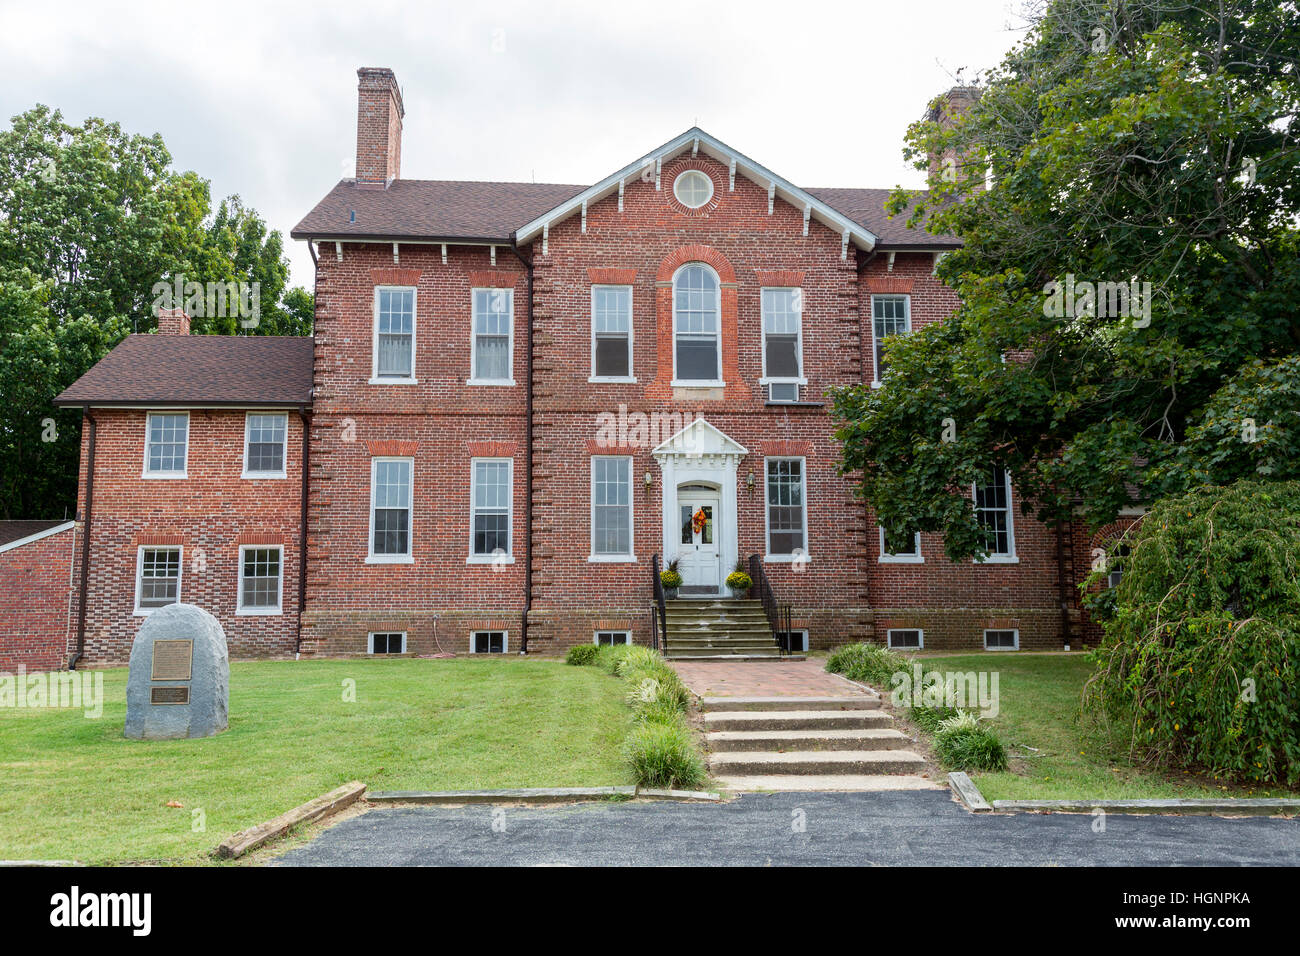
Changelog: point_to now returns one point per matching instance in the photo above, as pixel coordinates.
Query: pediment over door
(699, 439)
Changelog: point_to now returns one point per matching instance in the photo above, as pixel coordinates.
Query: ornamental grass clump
(1200, 662)
(865, 663)
(964, 743)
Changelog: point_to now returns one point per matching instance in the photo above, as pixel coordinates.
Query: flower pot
(670, 593)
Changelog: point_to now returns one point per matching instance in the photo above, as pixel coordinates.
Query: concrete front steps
(808, 743)
(724, 629)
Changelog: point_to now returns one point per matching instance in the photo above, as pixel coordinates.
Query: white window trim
(593, 557)
(375, 377)
(696, 383)
(284, 449)
(1010, 557)
(1014, 630)
(505, 639)
(139, 574)
(797, 557)
(409, 557)
(473, 343)
(240, 610)
(694, 173)
(631, 334)
(595, 635)
(766, 379)
(164, 475)
(887, 557)
(370, 642)
(509, 556)
(875, 345)
(920, 637)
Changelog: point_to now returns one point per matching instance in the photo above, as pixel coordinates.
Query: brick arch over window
(729, 304)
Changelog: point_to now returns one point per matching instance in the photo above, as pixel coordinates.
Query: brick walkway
(763, 679)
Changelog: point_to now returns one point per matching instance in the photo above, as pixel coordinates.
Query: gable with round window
(693, 188)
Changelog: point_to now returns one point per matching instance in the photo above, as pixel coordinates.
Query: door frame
(702, 495)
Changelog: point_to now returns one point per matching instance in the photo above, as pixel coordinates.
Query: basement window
(1002, 640)
(610, 638)
(906, 638)
(386, 642)
(488, 642)
(796, 641)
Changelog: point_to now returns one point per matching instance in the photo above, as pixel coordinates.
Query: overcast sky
(260, 98)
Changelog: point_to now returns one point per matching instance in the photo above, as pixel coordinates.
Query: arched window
(697, 347)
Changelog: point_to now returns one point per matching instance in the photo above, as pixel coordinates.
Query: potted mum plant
(671, 578)
(739, 580)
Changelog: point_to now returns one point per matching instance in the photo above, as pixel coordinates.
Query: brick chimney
(946, 110)
(173, 322)
(379, 127)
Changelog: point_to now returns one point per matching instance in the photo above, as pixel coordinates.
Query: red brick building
(519, 397)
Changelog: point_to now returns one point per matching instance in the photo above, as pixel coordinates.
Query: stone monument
(179, 681)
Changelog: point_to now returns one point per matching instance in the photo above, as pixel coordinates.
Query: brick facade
(35, 615)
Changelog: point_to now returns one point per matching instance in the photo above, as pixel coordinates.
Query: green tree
(1149, 142)
(91, 218)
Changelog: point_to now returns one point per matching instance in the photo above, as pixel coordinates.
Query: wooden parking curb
(321, 807)
(1246, 806)
(965, 788)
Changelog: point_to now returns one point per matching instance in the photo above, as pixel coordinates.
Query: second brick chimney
(379, 127)
(947, 110)
(173, 322)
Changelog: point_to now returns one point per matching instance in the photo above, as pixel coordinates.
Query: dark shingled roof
(199, 369)
(443, 209)
(13, 530)
(431, 209)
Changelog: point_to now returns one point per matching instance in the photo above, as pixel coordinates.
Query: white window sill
(493, 382)
(490, 559)
(695, 383)
(1002, 650)
(164, 475)
(389, 559)
(612, 559)
(394, 380)
(999, 559)
(612, 379)
(902, 559)
(263, 475)
(783, 381)
(787, 559)
(258, 612)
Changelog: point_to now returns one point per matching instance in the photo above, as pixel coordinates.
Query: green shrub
(660, 709)
(582, 654)
(866, 663)
(635, 658)
(1200, 662)
(663, 755)
(929, 718)
(608, 656)
(970, 748)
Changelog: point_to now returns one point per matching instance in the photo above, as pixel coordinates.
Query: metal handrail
(659, 628)
(778, 614)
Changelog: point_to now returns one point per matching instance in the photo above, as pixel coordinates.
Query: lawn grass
(1039, 708)
(73, 788)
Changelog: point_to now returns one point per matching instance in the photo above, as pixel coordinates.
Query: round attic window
(693, 189)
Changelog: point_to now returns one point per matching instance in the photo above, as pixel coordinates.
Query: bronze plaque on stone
(169, 695)
(172, 661)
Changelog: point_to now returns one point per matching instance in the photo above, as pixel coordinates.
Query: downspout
(528, 454)
(305, 413)
(85, 542)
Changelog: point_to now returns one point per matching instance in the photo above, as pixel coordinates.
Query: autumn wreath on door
(699, 520)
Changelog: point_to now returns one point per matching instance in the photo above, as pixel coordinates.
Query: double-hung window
(390, 510)
(993, 511)
(890, 315)
(394, 346)
(611, 508)
(611, 333)
(491, 506)
(697, 342)
(261, 579)
(782, 348)
(786, 509)
(493, 336)
(264, 441)
(167, 438)
(157, 578)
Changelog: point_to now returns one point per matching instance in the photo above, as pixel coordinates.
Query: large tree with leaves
(1147, 141)
(91, 218)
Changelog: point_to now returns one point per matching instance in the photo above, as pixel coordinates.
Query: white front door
(698, 533)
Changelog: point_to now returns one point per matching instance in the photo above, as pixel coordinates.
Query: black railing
(659, 611)
(778, 614)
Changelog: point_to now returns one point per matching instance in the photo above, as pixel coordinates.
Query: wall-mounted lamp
(649, 480)
(749, 481)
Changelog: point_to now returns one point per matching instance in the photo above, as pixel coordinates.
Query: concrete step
(856, 702)
(811, 783)
(732, 658)
(796, 720)
(826, 762)
(788, 741)
(720, 641)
